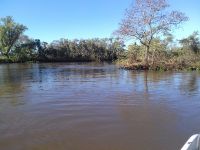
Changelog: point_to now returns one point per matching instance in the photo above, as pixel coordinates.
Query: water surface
(88, 106)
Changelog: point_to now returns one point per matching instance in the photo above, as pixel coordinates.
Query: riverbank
(164, 66)
(122, 64)
(4, 60)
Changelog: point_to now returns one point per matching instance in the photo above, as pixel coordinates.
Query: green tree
(191, 43)
(25, 49)
(10, 32)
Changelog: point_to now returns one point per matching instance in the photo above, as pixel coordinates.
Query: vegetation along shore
(147, 24)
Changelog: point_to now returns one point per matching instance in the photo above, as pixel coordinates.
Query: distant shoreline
(121, 65)
(52, 61)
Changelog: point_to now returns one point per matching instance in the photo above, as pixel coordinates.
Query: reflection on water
(81, 106)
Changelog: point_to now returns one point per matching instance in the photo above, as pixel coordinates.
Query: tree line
(17, 47)
(148, 23)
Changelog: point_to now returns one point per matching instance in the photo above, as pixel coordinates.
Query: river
(90, 106)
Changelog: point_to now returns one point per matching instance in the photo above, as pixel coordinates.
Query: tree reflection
(146, 88)
(148, 81)
(189, 83)
(11, 85)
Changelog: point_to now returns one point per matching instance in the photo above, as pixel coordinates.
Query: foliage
(160, 52)
(84, 50)
(191, 43)
(147, 20)
(10, 32)
(162, 56)
(16, 47)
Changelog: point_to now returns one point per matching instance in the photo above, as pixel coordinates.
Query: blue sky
(50, 20)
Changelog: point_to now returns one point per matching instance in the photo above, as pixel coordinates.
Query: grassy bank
(178, 60)
(159, 67)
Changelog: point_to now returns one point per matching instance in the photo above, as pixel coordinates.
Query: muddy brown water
(88, 106)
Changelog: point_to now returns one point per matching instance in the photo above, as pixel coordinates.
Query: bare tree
(147, 19)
